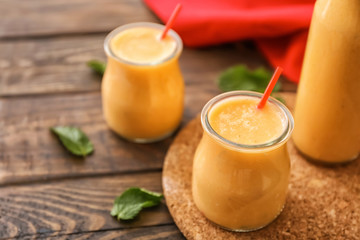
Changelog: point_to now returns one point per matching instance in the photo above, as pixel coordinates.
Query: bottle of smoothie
(327, 112)
(241, 166)
(142, 88)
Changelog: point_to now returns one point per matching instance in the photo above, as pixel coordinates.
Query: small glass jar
(241, 187)
(143, 102)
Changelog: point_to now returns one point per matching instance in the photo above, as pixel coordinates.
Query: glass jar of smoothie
(241, 166)
(327, 110)
(142, 88)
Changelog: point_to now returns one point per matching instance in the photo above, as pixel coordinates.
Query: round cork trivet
(322, 203)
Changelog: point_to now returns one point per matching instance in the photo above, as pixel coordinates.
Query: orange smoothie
(327, 112)
(241, 166)
(142, 88)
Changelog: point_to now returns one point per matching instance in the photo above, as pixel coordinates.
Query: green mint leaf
(241, 77)
(97, 66)
(131, 201)
(74, 140)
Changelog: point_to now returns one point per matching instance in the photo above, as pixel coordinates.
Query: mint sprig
(240, 77)
(132, 201)
(74, 140)
(97, 66)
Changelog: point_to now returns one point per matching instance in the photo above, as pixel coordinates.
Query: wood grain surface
(44, 66)
(322, 202)
(30, 152)
(74, 205)
(168, 232)
(159, 232)
(20, 18)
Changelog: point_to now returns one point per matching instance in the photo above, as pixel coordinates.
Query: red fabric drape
(279, 27)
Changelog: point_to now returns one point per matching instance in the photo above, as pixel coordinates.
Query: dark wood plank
(59, 65)
(30, 152)
(42, 17)
(170, 232)
(49, 65)
(74, 206)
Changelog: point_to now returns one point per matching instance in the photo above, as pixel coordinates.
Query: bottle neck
(338, 15)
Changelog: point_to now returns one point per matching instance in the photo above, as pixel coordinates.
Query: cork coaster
(322, 202)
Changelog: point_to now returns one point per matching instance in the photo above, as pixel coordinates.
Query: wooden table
(45, 192)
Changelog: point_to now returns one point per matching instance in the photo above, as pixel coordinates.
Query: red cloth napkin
(279, 27)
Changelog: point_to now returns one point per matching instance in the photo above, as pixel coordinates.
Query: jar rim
(116, 31)
(282, 138)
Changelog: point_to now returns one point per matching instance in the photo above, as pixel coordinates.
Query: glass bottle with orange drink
(327, 110)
